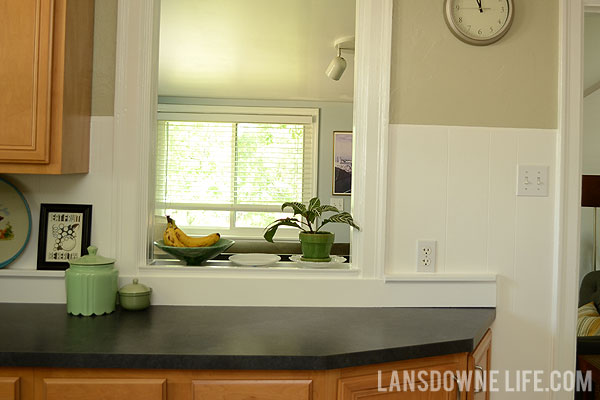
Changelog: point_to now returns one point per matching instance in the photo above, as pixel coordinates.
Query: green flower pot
(316, 247)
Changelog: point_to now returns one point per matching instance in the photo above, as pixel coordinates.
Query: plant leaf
(314, 203)
(311, 215)
(298, 207)
(272, 228)
(342, 218)
(325, 208)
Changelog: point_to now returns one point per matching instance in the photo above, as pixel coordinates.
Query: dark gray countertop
(234, 337)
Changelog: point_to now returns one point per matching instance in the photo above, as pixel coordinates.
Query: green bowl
(196, 255)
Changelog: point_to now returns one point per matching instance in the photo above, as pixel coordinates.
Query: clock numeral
(460, 19)
(480, 31)
(491, 29)
(499, 22)
(501, 9)
(457, 7)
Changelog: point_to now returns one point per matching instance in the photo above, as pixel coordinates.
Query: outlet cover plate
(426, 255)
(532, 180)
(337, 202)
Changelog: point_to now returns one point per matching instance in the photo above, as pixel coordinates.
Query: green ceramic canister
(92, 284)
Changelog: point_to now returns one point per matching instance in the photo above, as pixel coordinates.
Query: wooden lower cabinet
(433, 378)
(252, 389)
(9, 388)
(389, 381)
(102, 389)
(16, 383)
(479, 362)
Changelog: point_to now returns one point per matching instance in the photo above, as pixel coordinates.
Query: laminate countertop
(271, 338)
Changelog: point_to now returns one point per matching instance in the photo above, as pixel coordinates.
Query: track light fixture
(338, 65)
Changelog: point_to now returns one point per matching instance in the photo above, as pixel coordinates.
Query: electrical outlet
(426, 255)
(337, 202)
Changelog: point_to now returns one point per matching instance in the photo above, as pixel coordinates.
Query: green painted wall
(439, 80)
(105, 45)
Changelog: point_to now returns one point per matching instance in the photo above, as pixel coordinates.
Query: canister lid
(92, 258)
(135, 289)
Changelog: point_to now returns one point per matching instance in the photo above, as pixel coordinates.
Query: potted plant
(316, 244)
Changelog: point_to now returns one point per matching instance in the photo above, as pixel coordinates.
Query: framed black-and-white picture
(65, 231)
(342, 163)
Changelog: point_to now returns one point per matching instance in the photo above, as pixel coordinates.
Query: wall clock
(479, 22)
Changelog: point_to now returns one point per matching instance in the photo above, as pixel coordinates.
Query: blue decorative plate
(15, 223)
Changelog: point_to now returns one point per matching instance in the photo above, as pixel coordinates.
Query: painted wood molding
(568, 189)
(591, 89)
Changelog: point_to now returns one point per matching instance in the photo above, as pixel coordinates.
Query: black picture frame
(70, 228)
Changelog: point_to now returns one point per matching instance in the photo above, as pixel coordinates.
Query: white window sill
(224, 265)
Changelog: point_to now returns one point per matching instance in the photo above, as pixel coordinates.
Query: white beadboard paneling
(417, 193)
(92, 188)
(468, 192)
(489, 229)
(502, 212)
(535, 233)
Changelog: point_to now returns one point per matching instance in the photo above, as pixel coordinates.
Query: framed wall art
(342, 163)
(65, 234)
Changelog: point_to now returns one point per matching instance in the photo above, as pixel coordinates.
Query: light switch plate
(533, 180)
(337, 202)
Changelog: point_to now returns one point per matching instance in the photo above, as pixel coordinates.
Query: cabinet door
(9, 388)
(370, 388)
(432, 378)
(103, 389)
(252, 389)
(479, 363)
(25, 80)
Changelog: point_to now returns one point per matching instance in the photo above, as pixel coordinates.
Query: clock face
(479, 22)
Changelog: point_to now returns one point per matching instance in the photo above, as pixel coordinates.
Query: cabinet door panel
(25, 48)
(9, 388)
(371, 393)
(104, 389)
(432, 378)
(480, 362)
(252, 389)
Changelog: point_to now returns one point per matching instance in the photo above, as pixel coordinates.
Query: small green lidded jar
(135, 296)
(92, 284)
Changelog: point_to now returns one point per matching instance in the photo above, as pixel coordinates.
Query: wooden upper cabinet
(46, 49)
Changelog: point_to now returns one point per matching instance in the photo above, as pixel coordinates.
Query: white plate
(336, 262)
(254, 259)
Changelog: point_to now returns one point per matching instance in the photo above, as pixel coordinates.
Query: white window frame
(190, 112)
(136, 101)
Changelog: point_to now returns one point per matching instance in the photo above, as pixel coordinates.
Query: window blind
(232, 171)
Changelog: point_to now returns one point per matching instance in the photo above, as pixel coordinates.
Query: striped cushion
(588, 320)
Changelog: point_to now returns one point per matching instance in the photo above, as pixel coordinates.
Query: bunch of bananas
(173, 236)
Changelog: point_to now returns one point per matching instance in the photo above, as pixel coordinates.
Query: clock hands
(479, 4)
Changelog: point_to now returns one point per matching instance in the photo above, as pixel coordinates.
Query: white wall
(94, 188)
(457, 185)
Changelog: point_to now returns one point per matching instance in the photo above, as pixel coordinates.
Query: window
(228, 169)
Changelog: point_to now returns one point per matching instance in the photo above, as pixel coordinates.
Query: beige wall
(439, 80)
(105, 43)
